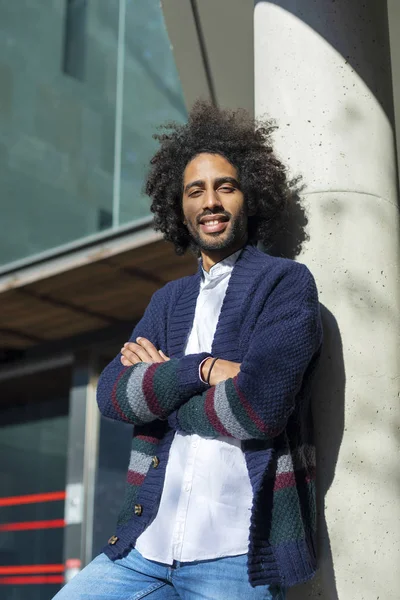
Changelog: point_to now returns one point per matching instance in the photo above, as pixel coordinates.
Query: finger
(164, 356)
(131, 356)
(126, 362)
(150, 348)
(138, 350)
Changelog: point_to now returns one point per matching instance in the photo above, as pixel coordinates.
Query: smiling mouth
(213, 224)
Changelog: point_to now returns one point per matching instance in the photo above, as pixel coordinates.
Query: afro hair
(246, 144)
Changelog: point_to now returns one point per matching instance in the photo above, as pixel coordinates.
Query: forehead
(208, 166)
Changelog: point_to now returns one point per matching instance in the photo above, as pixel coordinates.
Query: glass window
(33, 455)
(83, 84)
(151, 81)
(75, 34)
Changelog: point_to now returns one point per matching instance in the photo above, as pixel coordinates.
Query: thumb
(161, 353)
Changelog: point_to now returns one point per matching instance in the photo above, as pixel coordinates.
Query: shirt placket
(184, 499)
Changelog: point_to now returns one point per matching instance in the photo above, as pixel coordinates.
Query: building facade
(83, 86)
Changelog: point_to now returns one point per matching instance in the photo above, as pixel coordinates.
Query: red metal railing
(32, 498)
(32, 574)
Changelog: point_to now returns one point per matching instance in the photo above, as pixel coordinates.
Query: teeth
(212, 222)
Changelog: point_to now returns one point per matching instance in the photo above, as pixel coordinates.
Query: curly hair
(246, 144)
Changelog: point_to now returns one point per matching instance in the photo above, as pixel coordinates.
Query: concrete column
(322, 69)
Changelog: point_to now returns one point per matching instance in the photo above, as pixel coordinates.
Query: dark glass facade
(83, 86)
(33, 462)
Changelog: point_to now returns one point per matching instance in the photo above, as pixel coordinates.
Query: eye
(227, 188)
(195, 193)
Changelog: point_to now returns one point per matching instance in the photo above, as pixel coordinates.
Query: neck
(212, 257)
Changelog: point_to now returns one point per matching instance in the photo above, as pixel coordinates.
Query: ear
(183, 218)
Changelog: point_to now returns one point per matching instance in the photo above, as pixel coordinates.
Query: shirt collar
(222, 267)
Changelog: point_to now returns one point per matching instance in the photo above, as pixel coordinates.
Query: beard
(237, 231)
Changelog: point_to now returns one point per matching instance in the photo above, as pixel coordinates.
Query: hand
(221, 371)
(142, 351)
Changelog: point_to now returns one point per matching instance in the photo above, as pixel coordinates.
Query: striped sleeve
(257, 403)
(146, 392)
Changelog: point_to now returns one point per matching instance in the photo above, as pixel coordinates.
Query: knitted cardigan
(270, 323)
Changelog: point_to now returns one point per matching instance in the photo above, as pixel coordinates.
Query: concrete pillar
(322, 69)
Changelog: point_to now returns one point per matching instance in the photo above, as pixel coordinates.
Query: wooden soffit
(105, 289)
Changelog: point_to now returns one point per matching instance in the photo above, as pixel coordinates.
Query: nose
(211, 200)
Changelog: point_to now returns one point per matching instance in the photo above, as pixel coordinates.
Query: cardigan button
(113, 540)
(155, 461)
(138, 509)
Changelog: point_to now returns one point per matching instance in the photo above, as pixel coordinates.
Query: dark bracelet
(211, 367)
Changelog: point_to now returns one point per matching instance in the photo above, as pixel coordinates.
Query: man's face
(213, 204)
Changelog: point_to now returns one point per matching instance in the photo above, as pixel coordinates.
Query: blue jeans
(135, 577)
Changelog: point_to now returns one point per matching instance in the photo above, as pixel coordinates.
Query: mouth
(214, 223)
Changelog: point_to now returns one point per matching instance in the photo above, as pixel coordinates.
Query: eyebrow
(219, 181)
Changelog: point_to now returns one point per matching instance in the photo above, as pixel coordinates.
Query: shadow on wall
(341, 23)
(293, 235)
(328, 411)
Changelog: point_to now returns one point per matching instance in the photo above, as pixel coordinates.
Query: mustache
(209, 213)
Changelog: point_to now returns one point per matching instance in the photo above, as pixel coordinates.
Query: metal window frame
(83, 440)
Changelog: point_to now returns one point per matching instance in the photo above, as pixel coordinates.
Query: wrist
(189, 374)
(223, 370)
(210, 370)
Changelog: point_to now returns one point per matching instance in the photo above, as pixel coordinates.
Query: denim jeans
(135, 577)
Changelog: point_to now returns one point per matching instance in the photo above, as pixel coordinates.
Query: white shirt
(204, 511)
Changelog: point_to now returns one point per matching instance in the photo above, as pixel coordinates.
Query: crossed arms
(144, 351)
(252, 400)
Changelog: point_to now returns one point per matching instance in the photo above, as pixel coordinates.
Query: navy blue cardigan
(270, 323)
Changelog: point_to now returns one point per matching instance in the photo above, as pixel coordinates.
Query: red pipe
(31, 580)
(26, 525)
(32, 498)
(31, 569)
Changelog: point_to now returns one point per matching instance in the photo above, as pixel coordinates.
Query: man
(220, 500)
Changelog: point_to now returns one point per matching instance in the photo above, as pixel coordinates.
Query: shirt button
(187, 487)
(138, 509)
(155, 461)
(113, 540)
